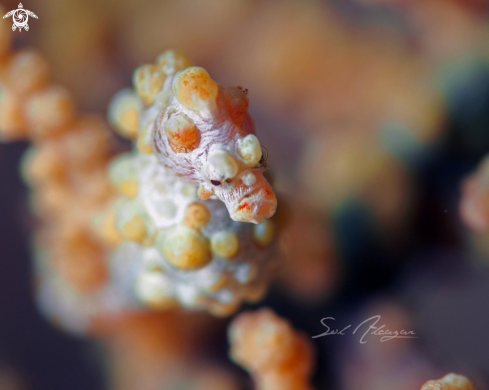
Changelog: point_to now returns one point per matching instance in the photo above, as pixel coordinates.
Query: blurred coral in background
(374, 115)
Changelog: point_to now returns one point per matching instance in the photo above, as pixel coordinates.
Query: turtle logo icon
(20, 17)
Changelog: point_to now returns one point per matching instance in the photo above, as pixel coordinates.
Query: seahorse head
(207, 134)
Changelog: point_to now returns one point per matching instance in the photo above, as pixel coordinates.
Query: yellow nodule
(264, 232)
(196, 216)
(108, 230)
(134, 229)
(127, 187)
(171, 61)
(224, 309)
(225, 244)
(194, 88)
(148, 81)
(128, 123)
(187, 249)
(144, 144)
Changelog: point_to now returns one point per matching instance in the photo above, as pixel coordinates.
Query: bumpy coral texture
(278, 357)
(66, 169)
(130, 232)
(175, 223)
(207, 135)
(449, 382)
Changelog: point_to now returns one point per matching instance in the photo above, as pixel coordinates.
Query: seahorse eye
(216, 182)
(263, 160)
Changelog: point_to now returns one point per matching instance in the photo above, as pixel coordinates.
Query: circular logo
(20, 17)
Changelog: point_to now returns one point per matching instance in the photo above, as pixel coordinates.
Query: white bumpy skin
(177, 230)
(207, 135)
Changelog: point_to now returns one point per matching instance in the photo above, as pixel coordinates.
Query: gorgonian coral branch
(196, 171)
(277, 356)
(153, 228)
(449, 382)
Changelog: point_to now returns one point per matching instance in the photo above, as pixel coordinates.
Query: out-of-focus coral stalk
(474, 204)
(277, 356)
(449, 382)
